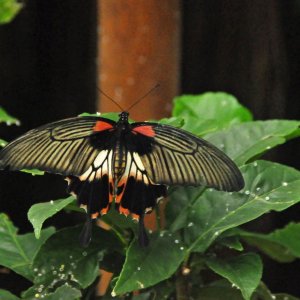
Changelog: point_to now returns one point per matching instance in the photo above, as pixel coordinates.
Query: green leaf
(6, 295)
(4, 116)
(243, 271)
(205, 113)
(62, 260)
(33, 172)
(231, 242)
(18, 251)
(283, 245)
(40, 212)
(268, 186)
(220, 289)
(8, 10)
(145, 267)
(2, 143)
(246, 141)
(62, 293)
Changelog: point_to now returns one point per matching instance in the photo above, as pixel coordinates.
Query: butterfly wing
(177, 157)
(66, 147)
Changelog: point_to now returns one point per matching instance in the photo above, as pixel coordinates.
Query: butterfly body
(130, 164)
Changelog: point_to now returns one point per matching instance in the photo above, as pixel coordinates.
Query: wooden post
(138, 47)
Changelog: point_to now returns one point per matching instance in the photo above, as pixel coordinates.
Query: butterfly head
(123, 117)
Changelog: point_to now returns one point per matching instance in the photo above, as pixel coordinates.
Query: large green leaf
(269, 186)
(4, 116)
(282, 245)
(18, 251)
(205, 113)
(243, 271)
(62, 260)
(40, 212)
(145, 267)
(246, 141)
(6, 295)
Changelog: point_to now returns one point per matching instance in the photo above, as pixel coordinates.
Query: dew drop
(247, 192)
(284, 183)
(269, 147)
(37, 295)
(84, 253)
(176, 241)
(161, 234)
(98, 113)
(255, 164)
(138, 268)
(40, 274)
(190, 224)
(181, 248)
(267, 198)
(35, 269)
(258, 188)
(52, 202)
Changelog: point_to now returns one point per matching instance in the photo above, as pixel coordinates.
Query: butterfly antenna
(140, 99)
(110, 98)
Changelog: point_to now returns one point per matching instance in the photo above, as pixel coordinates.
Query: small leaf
(33, 172)
(244, 271)
(64, 292)
(18, 251)
(209, 107)
(40, 212)
(4, 116)
(283, 245)
(2, 143)
(246, 141)
(62, 260)
(6, 295)
(145, 267)
(231, 242)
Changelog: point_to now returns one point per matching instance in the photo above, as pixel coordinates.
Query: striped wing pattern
(61, 147)
(180, 158)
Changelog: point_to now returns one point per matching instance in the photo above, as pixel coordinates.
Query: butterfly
(128, 164)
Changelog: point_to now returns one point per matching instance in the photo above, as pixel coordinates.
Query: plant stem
(181, 287)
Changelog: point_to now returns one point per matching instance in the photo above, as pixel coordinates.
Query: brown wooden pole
(139, 46)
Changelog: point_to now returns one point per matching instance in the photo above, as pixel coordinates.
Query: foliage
(8, 10)
(201, 234)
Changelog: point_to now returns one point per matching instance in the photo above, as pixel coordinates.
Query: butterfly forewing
(180, 158)
(62, 147)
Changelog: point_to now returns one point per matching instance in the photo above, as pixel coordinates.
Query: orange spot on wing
(135, 217)
(101, 126)
(124, 211)
(104, 210)
(95, 215)
(145, 130)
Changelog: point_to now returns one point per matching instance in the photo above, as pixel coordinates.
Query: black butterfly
(128, 163)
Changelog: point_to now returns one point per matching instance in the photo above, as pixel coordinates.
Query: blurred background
(55, 54)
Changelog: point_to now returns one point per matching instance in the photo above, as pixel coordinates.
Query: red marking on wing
(146, 130)
(101, 126)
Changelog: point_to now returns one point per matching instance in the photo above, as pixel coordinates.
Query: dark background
(48, 71)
